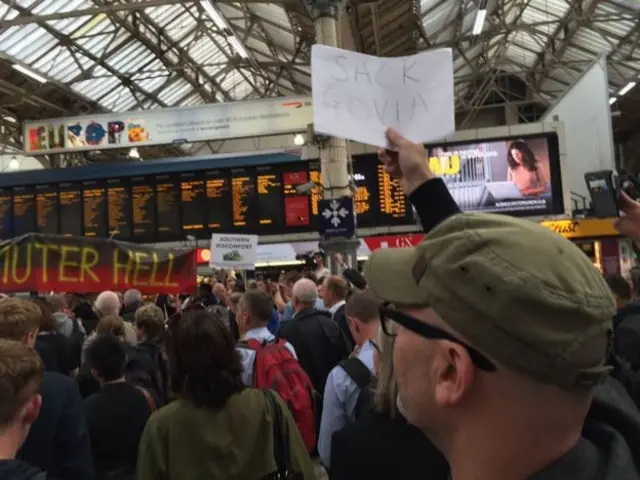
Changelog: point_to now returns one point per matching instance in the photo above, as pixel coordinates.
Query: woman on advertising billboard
(526, 171)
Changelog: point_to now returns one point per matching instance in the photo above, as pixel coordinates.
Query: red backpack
(277, 369)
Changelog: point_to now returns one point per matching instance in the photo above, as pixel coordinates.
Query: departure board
(94, 206)
(70, 205)
(144, 209)
(296, 206)
(219, 203)
(243, 191)
(366, 180)
(47, 209)
(6, 214)
(392, 200)
(193, 199)
(316, 193)
(269, 196)
(24, 211)
(119, 208)
(168, 209)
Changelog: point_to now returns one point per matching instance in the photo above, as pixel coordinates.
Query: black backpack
(366, 382)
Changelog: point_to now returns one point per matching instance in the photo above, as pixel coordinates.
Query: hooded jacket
(608, 448)
(19, 470)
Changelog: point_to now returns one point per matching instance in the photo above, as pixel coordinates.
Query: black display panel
(168, 206)
(269, 197)
(6, 214)
(94, 207)
(24, 211)
(193, 198)
(70, 205)
(119, 208)
(219, 201)
(47, 209)
(143, 197)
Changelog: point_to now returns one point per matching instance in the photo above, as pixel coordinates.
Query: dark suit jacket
(377, 447)
(341, 319)
(59, 439)
(319, 344)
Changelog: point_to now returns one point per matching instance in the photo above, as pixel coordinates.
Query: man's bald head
(304, 294)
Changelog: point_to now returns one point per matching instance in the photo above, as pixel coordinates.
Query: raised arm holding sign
(357, 96)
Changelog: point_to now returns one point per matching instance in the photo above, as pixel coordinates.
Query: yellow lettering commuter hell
(89, 259)
(153, 282)
(167, 280)
(65, 263)
(139, 267)
(15, 263)
(117, 266)
(45, 256)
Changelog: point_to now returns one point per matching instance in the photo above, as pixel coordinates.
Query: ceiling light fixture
(479, 23)
(626, 88)
(14, 164)
(237, 46)
(299, 140)
(29, 73)
(133, 153)
(613, 100)
(213, 14)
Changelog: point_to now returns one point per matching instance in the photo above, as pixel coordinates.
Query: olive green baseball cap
(523, 295)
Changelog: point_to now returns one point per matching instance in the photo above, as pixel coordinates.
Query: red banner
(42, 263)
(394, 241)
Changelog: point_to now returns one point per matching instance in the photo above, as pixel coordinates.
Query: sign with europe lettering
(358, 96)
(42, 263)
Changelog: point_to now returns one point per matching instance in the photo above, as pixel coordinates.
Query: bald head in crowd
(108, 303)
(304, 295)
(132, 298)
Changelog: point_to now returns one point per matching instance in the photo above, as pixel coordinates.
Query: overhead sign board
(583, 228)
(233, 251)
(218, 121)
(336, 218)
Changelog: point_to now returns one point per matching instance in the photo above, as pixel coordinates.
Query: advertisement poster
(165, 126)
(498, 175)
(233, 251)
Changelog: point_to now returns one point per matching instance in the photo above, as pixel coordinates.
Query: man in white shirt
(342, 393)
(253, 314)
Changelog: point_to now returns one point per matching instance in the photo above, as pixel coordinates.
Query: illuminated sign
(583, 228)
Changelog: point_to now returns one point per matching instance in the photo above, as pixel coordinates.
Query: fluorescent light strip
(626, 88)
(237, 46)
(613, 100)
(29, 73)
(214, 15)
(479, 23)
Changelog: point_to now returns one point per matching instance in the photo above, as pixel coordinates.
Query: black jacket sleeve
(433, 203)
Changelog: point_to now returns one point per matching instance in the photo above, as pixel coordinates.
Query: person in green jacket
(217, 429)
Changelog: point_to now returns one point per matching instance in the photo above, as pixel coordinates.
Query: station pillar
(334, 152)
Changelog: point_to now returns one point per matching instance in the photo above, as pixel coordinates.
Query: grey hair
(132, 296)
(305, 291)
(387, 387)
(108, 303)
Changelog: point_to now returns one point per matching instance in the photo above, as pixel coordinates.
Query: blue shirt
(248, 356)
(340, 397)
(274, 323)
(287, 313)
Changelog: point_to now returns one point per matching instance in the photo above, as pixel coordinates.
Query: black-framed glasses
(387, 312)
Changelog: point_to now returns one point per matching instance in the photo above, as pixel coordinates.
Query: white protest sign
(233, 251)
(357, 96)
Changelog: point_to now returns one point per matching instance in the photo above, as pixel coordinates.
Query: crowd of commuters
(491, 351)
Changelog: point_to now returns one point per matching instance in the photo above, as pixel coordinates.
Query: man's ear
(454, 373)
(31, 411)
(353, 324)
(29, 338)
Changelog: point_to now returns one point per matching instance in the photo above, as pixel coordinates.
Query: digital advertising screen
(519, 176)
